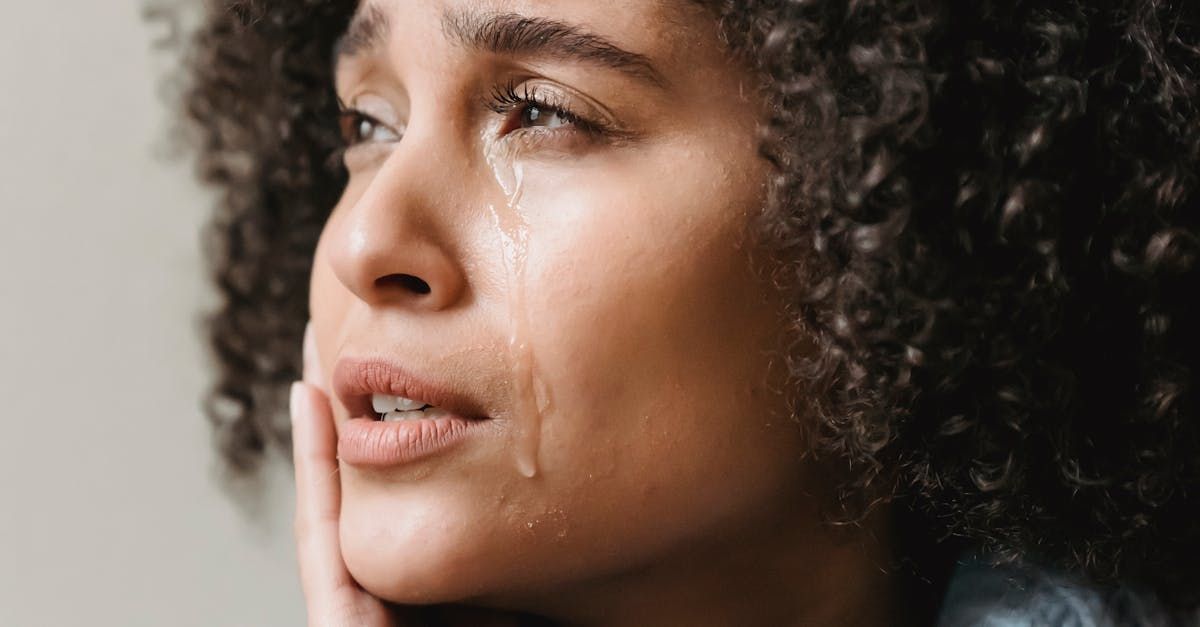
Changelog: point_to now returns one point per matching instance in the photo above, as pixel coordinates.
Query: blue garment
(981, 595)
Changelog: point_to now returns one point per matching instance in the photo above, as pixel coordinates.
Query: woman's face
(570, 277)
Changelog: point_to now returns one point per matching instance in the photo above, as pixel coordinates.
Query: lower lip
(371, 442)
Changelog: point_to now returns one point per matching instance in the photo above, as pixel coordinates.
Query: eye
(359, 128)
(535, 110)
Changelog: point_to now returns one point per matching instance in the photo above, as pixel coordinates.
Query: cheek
(652, 332)
(646, 297)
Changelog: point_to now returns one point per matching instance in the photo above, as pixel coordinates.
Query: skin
(597, 297)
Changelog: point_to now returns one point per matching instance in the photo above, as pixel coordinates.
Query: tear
(530, 393)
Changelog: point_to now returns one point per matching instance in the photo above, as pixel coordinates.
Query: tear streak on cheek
(531, 395)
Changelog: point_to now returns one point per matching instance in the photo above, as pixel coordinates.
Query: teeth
(382, 403)
(396, 408)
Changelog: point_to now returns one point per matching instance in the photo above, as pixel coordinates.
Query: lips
(364, 440)
(355, 381)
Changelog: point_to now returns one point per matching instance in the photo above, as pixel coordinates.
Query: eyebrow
(509, 34)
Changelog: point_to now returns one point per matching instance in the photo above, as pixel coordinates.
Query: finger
(323, 573)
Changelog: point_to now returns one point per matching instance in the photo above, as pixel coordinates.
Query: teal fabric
(980, 595)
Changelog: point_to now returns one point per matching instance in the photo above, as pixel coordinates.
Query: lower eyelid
(558, 140)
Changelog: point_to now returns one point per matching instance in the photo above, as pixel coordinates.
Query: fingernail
(295, 400)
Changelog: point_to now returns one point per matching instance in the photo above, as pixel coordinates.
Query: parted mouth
(381, 390)
(390, 408)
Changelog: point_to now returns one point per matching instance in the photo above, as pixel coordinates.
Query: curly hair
(990, 225)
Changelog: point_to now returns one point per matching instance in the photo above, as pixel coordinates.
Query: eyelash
(503, 100)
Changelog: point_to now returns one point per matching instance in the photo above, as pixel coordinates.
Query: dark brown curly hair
(990, 217)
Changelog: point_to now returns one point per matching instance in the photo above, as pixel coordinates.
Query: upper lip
(356, 380)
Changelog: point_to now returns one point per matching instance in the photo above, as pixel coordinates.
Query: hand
(333, 598)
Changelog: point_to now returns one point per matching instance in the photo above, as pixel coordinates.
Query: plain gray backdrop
(110, 508)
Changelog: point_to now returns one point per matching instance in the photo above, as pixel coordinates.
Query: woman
(740, 313)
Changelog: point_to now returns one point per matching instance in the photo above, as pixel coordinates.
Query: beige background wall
(110, 512)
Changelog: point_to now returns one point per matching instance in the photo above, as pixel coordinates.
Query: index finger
(318, 489)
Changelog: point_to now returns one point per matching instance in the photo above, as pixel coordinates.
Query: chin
(420, 555)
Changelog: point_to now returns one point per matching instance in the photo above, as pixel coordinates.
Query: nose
(393, 244)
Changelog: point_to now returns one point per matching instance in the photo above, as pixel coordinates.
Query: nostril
(404, 281)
